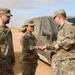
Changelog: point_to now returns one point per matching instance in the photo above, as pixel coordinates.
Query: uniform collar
(29, 34)
(61, 26)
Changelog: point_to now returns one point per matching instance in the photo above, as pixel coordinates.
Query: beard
(8, 21)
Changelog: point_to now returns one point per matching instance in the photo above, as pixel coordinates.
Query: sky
(27, 9)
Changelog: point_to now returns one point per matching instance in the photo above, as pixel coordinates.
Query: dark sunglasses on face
(31, 26)
(55, 17)
(8, 16)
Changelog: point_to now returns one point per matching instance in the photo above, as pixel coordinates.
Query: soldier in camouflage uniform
(28, 59)
(7, 58)
(65, 44)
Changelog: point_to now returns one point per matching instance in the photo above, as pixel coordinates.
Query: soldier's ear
(0, 15)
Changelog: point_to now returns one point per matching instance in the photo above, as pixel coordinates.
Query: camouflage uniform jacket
(66, 40)
(29, 48)
(6, 46)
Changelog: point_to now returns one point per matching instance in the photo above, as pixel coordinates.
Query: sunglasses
(55, 17)
(31, 26)
(8, 16)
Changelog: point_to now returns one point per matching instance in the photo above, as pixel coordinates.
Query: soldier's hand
(56, 47)
(42, 48)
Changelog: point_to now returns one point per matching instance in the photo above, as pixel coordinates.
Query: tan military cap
(59, 12)
(29, 23)
(5, 11)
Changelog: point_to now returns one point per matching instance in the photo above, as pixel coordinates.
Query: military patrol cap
(29, 23)
(59, 12)
(5, 11)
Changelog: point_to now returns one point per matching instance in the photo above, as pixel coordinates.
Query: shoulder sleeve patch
(69, 32)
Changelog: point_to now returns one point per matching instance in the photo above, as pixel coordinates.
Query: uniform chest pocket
(2, 37)
(32, 42)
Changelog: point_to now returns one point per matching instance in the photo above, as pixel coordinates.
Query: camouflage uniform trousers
(28, 68)
(6, 70)
(67, 67)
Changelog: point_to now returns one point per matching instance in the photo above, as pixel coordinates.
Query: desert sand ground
(42, 69)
